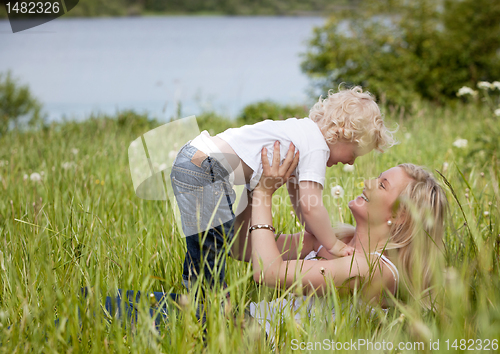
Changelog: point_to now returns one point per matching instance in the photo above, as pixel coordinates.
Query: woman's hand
(276, 175)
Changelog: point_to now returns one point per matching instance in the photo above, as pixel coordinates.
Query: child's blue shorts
(205, 198)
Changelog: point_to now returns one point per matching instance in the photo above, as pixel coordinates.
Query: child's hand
(340, 249)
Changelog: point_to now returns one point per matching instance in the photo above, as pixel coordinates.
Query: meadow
(69, 219)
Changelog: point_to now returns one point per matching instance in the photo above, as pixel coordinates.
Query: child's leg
(205, 198)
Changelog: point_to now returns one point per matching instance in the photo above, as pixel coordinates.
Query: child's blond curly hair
(352, 115)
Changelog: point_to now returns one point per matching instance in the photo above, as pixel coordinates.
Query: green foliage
(17, 105)
(83, 225)
(93, 8)
(260, 111)
(408, 50)
(242, 7)
(486, 143)
(213, 122)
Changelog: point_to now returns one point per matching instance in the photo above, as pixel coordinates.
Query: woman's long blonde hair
(417, 233)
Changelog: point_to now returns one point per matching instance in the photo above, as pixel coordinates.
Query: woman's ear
(399, 213)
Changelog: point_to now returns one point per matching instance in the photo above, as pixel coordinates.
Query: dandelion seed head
(486, 213)
(172, 154)
(460, 143)
(25, 177)
(74, 151)
(497, 111)
(348, 168)
(35, 177)
(67, 165)
(162, 167)
(337, 192)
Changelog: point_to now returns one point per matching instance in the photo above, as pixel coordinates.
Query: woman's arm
(268, 264)
(270, 269)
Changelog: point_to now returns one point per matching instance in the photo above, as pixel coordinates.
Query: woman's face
(378, 197)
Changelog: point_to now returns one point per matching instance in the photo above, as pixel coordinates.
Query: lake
(76, 66)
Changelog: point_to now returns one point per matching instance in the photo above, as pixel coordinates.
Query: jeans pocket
(190, 202)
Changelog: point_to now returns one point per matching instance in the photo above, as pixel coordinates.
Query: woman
(399, 228)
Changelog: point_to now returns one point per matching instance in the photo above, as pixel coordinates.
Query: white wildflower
(348, 168)
(74, 151)
(496, 84)
(466, 91)
(445, 167)
(407, 136)
(67, 165)
(25, 177)
(460, 143)
(162, 166)
(35, 177)
(337, 192)
(486, 213)
(484, 85)
(172, 154)
(497, 112)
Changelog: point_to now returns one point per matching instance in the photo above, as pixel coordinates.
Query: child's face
(345, 152)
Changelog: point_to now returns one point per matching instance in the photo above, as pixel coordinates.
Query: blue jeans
(205, 198)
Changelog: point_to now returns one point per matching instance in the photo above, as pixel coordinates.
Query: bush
(260, 111)
(213, 122)
(408, 50)
(17, 105)
(486, 144)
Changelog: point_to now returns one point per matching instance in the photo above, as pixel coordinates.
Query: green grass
(84, 227)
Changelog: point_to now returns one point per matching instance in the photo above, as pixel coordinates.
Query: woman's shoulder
(366, 267)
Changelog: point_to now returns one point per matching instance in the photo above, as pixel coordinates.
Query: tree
(16, 104)
(408, 50)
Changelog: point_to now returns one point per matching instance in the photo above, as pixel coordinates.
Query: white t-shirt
(248, 141)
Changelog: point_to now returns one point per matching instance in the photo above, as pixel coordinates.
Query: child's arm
(317, 220)
(293, 192)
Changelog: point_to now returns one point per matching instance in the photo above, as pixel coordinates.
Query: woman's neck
(368, 240)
